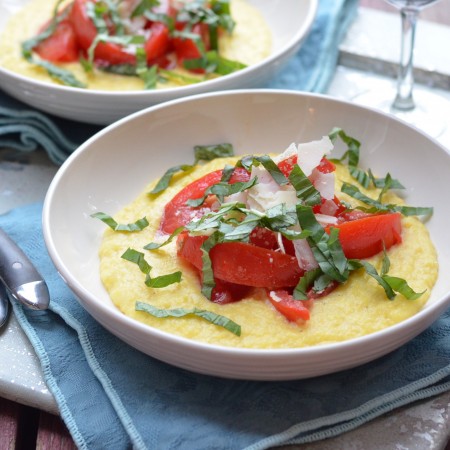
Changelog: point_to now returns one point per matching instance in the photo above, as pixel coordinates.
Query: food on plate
(133, 44)
(278, 251)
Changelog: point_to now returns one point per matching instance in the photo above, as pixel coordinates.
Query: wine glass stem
(404, 99)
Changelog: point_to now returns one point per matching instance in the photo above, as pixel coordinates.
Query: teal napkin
(311, 69)
(114, 397)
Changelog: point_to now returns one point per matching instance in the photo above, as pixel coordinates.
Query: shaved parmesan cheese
(311, 153)
(324, 219)
(324, 183)
(267, 192)
(304, 255)
(290, 151)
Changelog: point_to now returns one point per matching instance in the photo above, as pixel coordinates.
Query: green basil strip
(162, 281)
(353, 146)
(115, 17)
(305, 282)
(29, 44)
(326, 249)
(139, 225)
(144, 6)
(380, 183)
(155, 245)
(377, 206)
(401, 286)
(164, 181)
(220, 65)
(214, 218)
(223, 189)
(137, 258)
(209, 316)
(305, 190)
(208, 282)
(57, 73)
(210, 152)
(170, 75)
(268, 163)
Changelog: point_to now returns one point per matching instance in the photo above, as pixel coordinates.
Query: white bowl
(289, 21)
(141, 147)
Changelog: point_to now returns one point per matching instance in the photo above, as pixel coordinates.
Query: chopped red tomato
(286, 166)
(265, 238)
(158, 42)
(292, 309)
(332, 207)
(365, 237)
(186, 49)
(178, 213)
(61, 46)
(241, 263)
(86, 32)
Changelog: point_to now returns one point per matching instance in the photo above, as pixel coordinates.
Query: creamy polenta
(356, 308)
(249, 43)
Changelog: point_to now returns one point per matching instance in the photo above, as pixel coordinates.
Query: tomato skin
(158, 42)
(245, 264)
(286, 165)
(61, 46)
(364, 237)
(177, 213)
(86, 32)
(186, 48)
(292, 309)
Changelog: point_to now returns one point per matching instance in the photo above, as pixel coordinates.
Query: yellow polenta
(250, 42)
(355, 309)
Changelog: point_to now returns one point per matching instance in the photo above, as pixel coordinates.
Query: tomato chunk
(158, 42)
(186, 48)
(364, 237)
(292, 309)
(61, 46)
(286, 165)
(245, 264)
(177, 213)
(86, 32)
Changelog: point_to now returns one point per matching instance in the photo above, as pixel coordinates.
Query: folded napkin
(311, 69)
(114, 397)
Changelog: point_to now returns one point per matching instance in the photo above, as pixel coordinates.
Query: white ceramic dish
(289, 20)
(139, 148)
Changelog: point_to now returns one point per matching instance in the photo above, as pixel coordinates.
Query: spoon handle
(20, 277)
(4, 305)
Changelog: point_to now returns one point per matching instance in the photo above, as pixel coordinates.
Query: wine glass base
(429, 114)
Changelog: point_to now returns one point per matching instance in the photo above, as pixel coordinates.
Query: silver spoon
(23, 282)
(4, 305)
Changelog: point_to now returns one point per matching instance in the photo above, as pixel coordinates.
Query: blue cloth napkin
(114, 397)
(311, 69)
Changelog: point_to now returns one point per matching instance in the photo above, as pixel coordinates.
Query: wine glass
(429, 111)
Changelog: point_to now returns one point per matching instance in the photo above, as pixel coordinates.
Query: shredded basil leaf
(305, 282)
(164, 181)
(162, 281)
(223, 189)
(377, 206)
(305, 190)
(210, 152)
(139, 225)
(155, 245)
(202, 153)
(209, 316)
(208, 282)
(268, 163)
(144, 6)
(326, 248)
